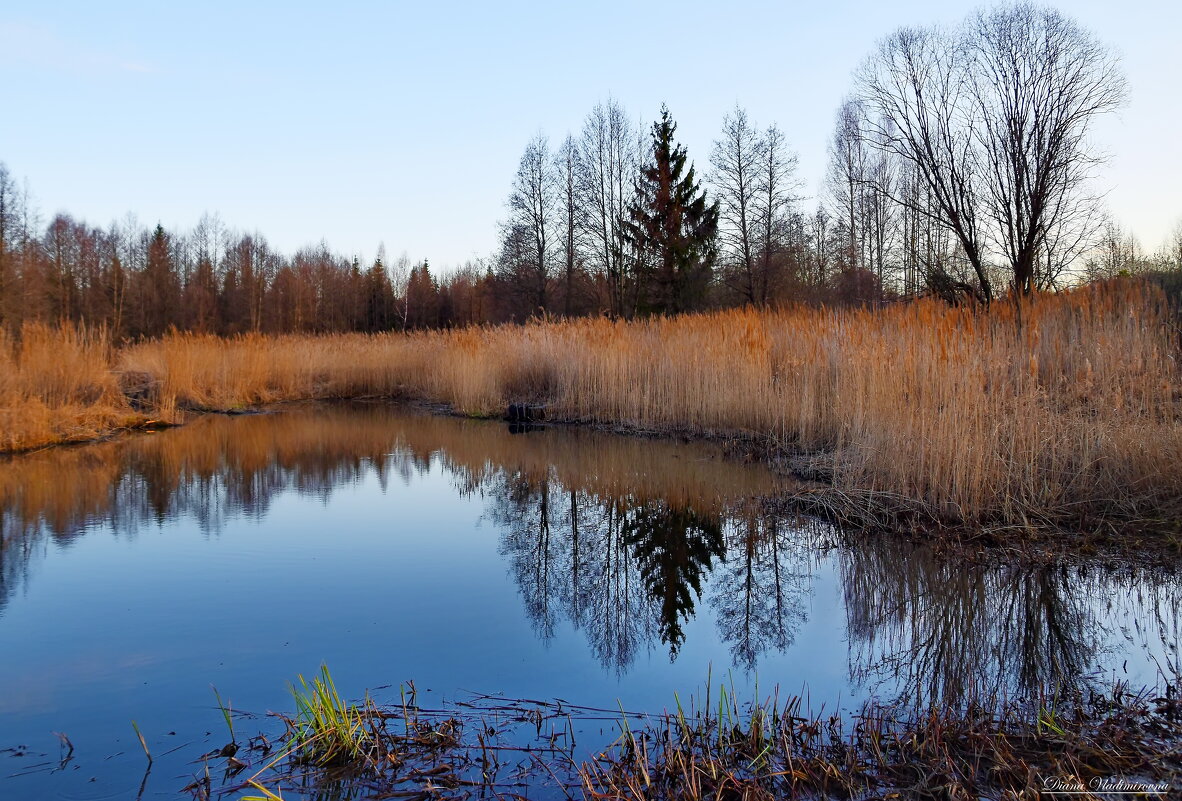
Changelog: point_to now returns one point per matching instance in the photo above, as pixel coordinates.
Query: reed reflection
(216, 469)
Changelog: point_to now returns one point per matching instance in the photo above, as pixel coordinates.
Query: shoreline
(916, 416)
(858, 514)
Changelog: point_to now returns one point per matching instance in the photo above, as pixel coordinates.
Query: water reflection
(629, 541)
(762, 595)
(626, 573)
(935, 629)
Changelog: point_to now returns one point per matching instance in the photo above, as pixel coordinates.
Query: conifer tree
(379, 298)
(160, 289)
(672, 225)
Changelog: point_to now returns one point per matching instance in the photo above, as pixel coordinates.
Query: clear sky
(402, 123)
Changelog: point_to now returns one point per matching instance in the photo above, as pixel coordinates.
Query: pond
(469, 557)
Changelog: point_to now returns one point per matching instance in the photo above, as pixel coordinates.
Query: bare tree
(776, 224)
(994, 117)
(736, 160)
(528, 236)
(915, 88)
(1116, 252)
(1173, 249)
(9, 224)
(1038, 82)
(819, 231)
(1065, 241)
(847, 179)
(754, 177)
(568, 217)
(608, 157)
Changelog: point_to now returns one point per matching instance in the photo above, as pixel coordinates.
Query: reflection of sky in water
(470, 576)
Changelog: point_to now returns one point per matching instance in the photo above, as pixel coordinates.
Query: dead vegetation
(710, 747)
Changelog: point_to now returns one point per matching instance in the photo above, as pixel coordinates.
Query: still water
(393, 545)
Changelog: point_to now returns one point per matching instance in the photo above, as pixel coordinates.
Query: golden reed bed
(1074, 415)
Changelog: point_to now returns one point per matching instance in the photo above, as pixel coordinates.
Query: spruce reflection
(630, 572)
(675, 548)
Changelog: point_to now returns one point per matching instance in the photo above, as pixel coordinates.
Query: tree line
(139, 281)
(960, 165)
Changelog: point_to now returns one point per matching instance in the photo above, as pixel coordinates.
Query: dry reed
(1073, 416)
(491, 746)
(56, 385)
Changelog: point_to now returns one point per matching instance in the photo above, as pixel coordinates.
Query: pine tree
(673, 226)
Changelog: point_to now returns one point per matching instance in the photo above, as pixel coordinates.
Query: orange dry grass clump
(1075, 412)
(56, 385)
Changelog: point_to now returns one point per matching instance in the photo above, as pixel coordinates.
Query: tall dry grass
(1075, 413)
(57, 385)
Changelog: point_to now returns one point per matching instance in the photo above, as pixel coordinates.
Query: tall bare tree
(847, 179)
(914, 85)
(754, 178)
(736, 160)
(994, 117)
(1173, 248)
(569, 216)
(528, 237)
(1038, 81)
(777, 227)
(9, 225)
(608, 158)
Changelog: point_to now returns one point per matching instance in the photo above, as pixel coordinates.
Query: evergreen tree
(379, 299)
(422, 299)
(672, 226)
(160, 289)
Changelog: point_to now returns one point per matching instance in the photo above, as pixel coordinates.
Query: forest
(941, 181)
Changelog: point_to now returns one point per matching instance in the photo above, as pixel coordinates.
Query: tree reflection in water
(630, 571)
(675, 548)
(623, 538)
(569, 557)
(936, 630)
(761, 596)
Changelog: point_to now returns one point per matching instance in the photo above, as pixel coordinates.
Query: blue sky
(402, 123)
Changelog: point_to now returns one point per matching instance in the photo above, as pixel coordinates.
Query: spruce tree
(673, 226)
(160, 288)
